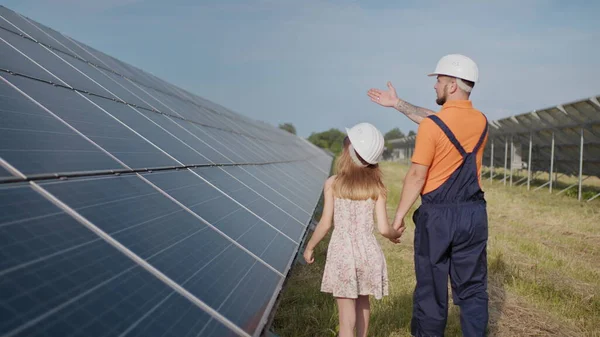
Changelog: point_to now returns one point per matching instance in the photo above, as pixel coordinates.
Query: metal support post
(580, 166)
(512, 158)
(505, 158)
(492, 163)
(529, 162)
(552, 162)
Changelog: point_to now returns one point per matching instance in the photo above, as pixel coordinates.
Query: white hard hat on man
(459, 66)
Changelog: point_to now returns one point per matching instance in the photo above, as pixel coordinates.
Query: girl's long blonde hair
(355, 182)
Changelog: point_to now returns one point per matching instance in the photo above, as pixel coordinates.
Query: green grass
(544, 271)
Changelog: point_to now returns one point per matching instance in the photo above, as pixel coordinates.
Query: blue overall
(451, 238)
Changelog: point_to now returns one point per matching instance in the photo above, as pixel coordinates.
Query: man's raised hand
(386, 98)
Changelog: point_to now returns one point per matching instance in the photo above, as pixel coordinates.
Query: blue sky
(311, 62)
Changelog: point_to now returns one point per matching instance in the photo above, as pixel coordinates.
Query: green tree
(330, 140)
(289, 127)
(411, 133)
(394, 133)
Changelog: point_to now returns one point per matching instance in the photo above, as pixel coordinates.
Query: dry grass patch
(544, 271)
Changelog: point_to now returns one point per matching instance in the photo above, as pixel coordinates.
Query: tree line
(332, 139)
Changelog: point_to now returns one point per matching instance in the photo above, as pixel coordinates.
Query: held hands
(399, 224)
(398, 228)
(395, 239)
(309, 256)
(384, 98)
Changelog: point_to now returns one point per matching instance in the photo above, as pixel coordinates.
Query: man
(451, 225)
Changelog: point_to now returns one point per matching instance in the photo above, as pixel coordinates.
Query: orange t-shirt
(434, 149)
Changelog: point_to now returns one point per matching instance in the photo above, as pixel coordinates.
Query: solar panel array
(567, 123)
(564, 139)
(403, 148)
(132, 207)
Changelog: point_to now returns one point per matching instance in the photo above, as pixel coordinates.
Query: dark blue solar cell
(282, 182)
(131, 89)
(176, 242)
(32, 228)
(243, 151)
(254, 299)
(58, 278)
(95, 124)
(207, 135)
(178, 317)
(271, 193)
(177, 106)
(148, 125)
(305, 176)
(35, 142)
(23, 25)
(202, 148)
(204, 144)
(217, 120)
(256, 149)
(107, 86)
(296, 181)
(258, 204)
(227, 216)
(246, 149)
(222, 143)
(53, 38)
(98, 58)
(47, 66)
(272, 151)
(96, 289)
(13, 60)
(4, 173)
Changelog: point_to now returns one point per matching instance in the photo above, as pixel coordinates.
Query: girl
(355, 266)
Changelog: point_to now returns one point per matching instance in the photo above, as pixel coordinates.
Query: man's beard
(442, 100)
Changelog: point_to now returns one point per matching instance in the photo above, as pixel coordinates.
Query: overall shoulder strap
(483, 134)
(448, 133)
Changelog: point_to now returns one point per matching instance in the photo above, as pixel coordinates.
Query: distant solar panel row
(567, 123)
(131, 207)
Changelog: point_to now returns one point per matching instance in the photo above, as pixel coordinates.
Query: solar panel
(565, 123)
(132, 207)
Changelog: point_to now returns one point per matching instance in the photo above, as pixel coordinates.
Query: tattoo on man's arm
(409, 109)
